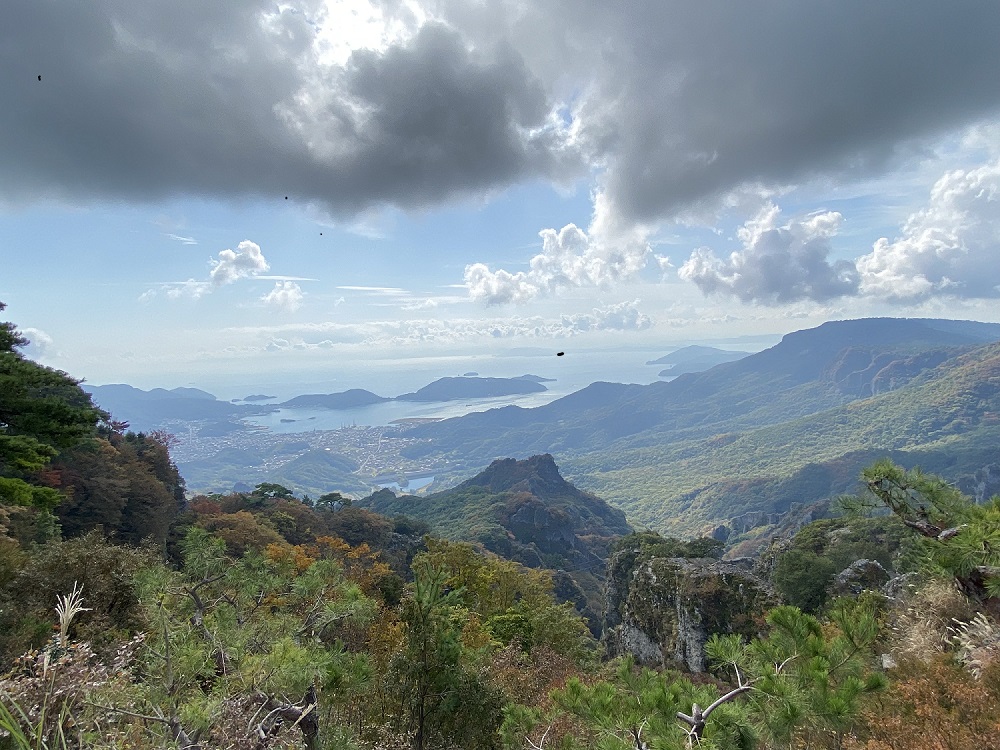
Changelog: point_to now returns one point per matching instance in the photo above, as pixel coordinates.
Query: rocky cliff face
(984, 484)
(525, 511)
(539, 514)
(663, 610)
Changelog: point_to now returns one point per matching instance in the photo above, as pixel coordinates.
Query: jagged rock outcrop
(663, 610)
(984, 484)
(860, 575)
(524, 510)
(900, 586)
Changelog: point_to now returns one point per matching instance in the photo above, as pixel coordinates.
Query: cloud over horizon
(247, 261)
(232, 265)
(286, 296)
(616, 317)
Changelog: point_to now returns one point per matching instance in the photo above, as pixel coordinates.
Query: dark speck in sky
(39, 78)
(559, 354)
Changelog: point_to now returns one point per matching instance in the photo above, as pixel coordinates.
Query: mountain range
(157, 408)
(694, 359)
(729, 451)
(705, 449)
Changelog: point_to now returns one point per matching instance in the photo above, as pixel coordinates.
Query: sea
(565, 374)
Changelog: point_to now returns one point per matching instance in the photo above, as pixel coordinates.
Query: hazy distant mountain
(535, 378)
(125, 392)
(350, 399)
(258, 397)
(452, 389)
(695, 359)
(147, 410)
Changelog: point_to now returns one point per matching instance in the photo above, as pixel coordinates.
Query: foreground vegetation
(133, 618)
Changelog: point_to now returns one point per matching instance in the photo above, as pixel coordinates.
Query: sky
(198, 191)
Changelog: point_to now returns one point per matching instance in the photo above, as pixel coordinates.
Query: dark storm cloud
(441, 121)
(684, 102)
(674, 104)
(719, 94)
(141, 100)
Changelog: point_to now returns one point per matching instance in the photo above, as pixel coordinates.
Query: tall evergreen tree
(445, 701)
(42, 412)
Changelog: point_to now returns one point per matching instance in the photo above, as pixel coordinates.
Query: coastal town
(247, 454)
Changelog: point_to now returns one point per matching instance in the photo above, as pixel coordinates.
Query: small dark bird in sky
(39, 78)
(286, 197)
(320, 234)
(559, 354)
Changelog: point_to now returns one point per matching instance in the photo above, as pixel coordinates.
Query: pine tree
(42, 412)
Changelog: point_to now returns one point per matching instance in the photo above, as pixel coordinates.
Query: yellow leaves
(291, 556)
(361, 565)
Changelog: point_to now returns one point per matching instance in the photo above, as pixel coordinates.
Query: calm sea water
(389, 378)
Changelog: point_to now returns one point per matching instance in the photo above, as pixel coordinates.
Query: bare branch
(541, 742)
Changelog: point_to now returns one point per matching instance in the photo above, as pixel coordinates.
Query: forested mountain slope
(662, 452)
(525, 511)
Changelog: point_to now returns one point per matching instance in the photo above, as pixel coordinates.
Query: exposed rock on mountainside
(860, 575)
(662, 610)
(522, 510)
(863, 372)
(985, 483)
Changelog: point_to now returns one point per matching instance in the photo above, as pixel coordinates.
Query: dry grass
(924, 625)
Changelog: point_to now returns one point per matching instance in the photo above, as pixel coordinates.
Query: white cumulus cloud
(246, 260)
(778, 263)
(39, 342)
(286, 295)
(950, 248)
(569, 258)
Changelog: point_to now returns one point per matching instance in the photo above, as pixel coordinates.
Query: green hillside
(523, 510)
(683, 456)
(947, 420)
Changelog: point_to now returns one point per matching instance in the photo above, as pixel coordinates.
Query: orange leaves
(360, 564)
(287, 555)
(205, 507)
